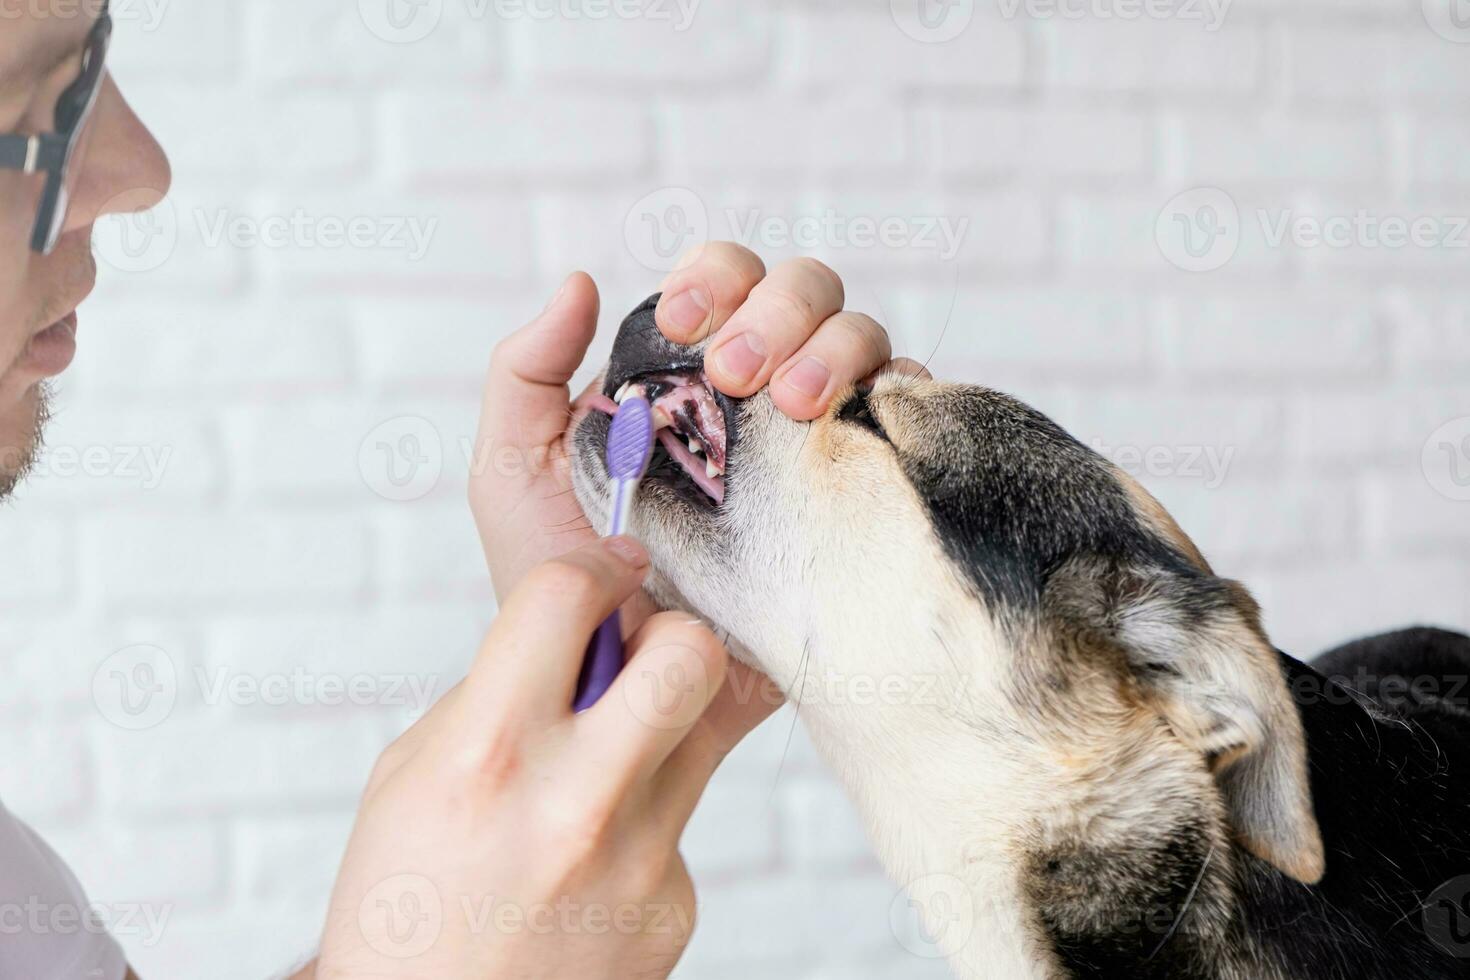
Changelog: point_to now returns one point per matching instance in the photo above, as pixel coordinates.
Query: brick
(1031, 334)
(1340, 65)
(1129, 233)
(380, 242)
(345, 450)
(1390, 426)
(47, 773)
(1250, 519)
(512, 135)
(731, 832)
(289, 43)
(199, 557)
(742, 136)
(1440, 146)
(1171, 58)
(124, 457)
(820, 827)
(1277, 336)
(430, 550)
(1407, 515)
(198, 763)
(177, 350)
(989, 54)
(294, 857)
(160, 39)
(1310, 609)
(413, 346)
(673, 43)
(43, 565)
(784, 916)
(1434, 336)
(163, 864)
(301, 135)
(1216, 148)
(406, 660)
(986, 144)
(1197, 440)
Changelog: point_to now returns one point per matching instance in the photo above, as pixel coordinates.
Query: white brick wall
(1282, 402)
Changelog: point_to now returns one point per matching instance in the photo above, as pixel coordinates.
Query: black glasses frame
(51, 153)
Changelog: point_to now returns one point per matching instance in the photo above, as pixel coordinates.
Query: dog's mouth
(692, 452)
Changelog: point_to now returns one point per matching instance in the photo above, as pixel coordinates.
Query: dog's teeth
(695, 447)
(661, 418)
(713, 469)
(622, 392)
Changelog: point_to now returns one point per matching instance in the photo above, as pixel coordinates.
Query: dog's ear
(1195, 644)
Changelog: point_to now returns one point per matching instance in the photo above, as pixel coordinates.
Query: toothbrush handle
(602, 663)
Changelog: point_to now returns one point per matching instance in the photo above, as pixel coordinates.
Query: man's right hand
(505, 836)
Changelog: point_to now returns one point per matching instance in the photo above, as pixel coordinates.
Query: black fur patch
(1013, 497)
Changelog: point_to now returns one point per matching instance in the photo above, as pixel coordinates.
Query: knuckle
(743, 265)
(578, 831)
(866, 333)
(821, 275)
(789, 305)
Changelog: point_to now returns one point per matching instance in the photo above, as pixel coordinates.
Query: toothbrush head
(630, 442)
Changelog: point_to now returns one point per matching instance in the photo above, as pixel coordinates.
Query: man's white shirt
(48, 929)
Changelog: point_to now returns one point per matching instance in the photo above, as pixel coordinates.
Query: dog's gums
(690, 424)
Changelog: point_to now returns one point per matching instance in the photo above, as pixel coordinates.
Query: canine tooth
(622, 392)
(696, 447)
(661, 418)
(713, 469)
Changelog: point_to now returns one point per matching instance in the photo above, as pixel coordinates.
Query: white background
(1315, 378)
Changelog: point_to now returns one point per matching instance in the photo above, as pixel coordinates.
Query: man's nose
(121, 169)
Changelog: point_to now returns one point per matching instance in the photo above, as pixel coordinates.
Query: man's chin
(20, 436)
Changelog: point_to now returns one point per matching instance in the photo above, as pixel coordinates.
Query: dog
(1076, 735)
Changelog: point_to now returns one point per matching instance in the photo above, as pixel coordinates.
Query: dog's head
(979, 615)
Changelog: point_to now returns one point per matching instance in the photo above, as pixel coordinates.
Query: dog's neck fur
(1242, 919)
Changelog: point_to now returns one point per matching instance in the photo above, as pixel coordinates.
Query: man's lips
(50, 352)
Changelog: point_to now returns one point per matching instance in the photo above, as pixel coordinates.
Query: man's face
(40, 56)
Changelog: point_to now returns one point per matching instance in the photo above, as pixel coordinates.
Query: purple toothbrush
(629, 447)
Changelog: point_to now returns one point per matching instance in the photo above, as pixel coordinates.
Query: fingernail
(559, 294)
(629, 550)
(688, 310)
(741, 358)
(810, 377)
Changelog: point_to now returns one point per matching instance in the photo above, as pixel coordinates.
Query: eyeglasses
(51, 153)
